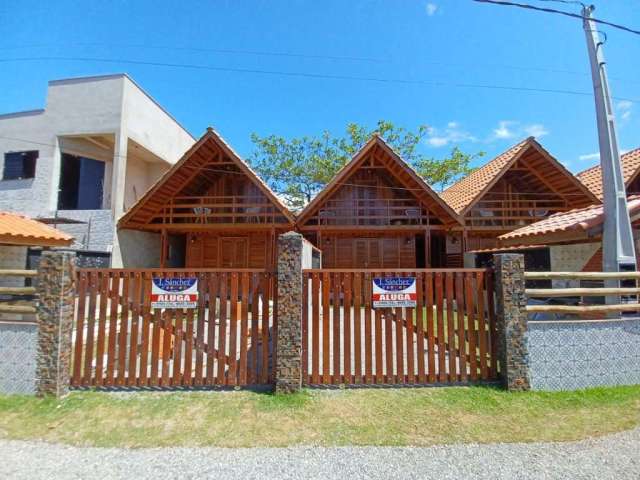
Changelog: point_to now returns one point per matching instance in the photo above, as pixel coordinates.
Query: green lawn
(425, 416)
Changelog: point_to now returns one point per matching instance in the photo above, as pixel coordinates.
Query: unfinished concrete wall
(134, 249)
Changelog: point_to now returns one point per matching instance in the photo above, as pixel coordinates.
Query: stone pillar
(56, 302)
(511, 321)
(289, 337)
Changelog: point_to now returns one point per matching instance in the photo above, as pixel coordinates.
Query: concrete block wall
(18, 346)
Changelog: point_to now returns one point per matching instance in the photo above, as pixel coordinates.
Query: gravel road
(615, 457)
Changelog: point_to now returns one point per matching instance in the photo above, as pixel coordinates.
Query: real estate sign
(391, 292)
(174, 292)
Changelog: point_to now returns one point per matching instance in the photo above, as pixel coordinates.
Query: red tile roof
(592, 177)
(21, 230)
(579, 221)
(462, 194)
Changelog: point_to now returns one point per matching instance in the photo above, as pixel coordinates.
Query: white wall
(107, 105)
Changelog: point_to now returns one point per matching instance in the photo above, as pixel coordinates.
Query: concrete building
(89, 155)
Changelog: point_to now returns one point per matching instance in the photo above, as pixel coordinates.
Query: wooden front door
(234, 252)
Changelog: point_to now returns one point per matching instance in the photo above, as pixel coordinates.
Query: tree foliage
(297, 169)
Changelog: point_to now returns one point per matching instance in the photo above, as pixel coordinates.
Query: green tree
(299, 168)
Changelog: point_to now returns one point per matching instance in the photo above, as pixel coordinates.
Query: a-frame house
(212, 211)
(378, 213)
(520, 186)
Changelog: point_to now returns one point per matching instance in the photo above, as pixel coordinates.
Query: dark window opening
(421, 261)
(20, 165)
(438, 249)
(81, 183)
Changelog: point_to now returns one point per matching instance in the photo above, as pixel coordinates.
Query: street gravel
(613, 457)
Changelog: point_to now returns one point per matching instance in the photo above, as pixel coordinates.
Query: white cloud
(431, 9)
(503, 130)
(589, 156)
(508, 129)
(536, 130)
(624, 109)
(452, 133)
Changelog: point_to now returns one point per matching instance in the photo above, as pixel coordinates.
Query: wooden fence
(447, 338)
(120, 341)
(17, 299)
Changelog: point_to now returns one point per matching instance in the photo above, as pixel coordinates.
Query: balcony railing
(514, 210)
(215, 210)
(377, 212)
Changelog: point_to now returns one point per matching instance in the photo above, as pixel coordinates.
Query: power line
(310, 75)
(205, 50)
(552, 10)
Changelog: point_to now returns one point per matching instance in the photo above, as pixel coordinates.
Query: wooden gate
(120, 341)
(447, 338)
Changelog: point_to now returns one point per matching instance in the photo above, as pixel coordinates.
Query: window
(81, 183)
(20, 165)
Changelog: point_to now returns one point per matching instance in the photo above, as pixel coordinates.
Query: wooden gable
(519, 187)
(209, 188)
(376, 190)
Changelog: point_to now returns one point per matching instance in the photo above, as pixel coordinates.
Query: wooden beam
(17, 290)
(18, 273)
(579, 292)
(580, 275)
(623, 307)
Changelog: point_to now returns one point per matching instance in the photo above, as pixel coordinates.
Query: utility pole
(617, 237)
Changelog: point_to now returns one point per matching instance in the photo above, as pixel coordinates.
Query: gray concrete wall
(570, 355)
(18, 345)
(138, 249)
(95, 233)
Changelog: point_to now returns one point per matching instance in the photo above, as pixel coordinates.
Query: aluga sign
(391, 292)
(174, 292)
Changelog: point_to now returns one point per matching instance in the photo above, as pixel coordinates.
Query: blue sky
(441, 43)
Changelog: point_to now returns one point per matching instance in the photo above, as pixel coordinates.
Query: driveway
(615, 457)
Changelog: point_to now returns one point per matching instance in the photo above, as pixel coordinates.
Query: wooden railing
(230, 209)
(17, 305)
(631, 293)
(514, 210)
(390, 211)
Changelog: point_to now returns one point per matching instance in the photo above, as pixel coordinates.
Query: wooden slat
(167, 337)
(420, 330)
(409, 347)
(123, 332)
(451, 330)
(17, 290)
(326, 321)
(335, 324)
(143, 377)
(255, 328)
(135, 320)
(7, 307)
(431, 358)
(399, 327)
(244, 329)
(378, 375)
(103, 286)
(176, 379)
(471, 329)
(212, 287)
(187, 378)
(274, 288)
(221, 378)
(114, 302)
(623, 307)
(305, 327)
(77, 354)
(579, 292)
(154, 379)
(315, 305)
(199, 327)
(267, 292)
(580, 275)
(493, 339)
(18, 273)
(482, 327)
(232, 375)
(347, 279)
(88, 376)
(460, 318)
(357, 327)
(368, 330)
(442, 361)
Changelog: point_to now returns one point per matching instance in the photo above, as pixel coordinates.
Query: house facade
(378, 213)
(88, 156)
(210, 210)
(519, 187)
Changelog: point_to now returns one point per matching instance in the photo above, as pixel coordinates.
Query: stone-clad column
(289, 338)
(511, 321)
(56, 301)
